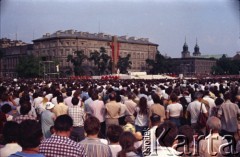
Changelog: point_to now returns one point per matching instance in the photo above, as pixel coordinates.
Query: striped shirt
(95, 148)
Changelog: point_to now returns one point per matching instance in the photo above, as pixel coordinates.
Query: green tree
(28, 66)
(158, 65)
(124, 63)
(101, 60)
(161, 64)
(77, 62)
(226, 66)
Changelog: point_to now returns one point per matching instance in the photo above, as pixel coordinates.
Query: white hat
(49, 106)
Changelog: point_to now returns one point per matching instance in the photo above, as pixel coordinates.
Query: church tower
(196, 50)
(185, 52)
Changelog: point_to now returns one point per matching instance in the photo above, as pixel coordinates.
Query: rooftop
(93, 36)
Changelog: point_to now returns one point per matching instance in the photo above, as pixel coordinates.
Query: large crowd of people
(119, 118)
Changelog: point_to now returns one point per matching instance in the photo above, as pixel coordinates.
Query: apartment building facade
(59, 45)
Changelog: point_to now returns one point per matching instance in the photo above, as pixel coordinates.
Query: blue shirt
(22, 154)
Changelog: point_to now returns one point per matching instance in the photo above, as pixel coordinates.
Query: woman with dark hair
(141, 113)
(126, 141)
(174, 110)
(184, 120)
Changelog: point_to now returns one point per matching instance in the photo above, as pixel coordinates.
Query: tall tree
(124, 63)
(158, 65)
(77, 62)
(28, 66)
(101, 59)
(161, 64)
(226, 66)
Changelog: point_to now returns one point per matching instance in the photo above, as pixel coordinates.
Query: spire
(185, 46)
(185, 52)
(196, 49)
(196, 43)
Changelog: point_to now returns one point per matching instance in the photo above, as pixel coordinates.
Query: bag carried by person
(202, 119)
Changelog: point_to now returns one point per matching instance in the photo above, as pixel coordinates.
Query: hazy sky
(215, 23)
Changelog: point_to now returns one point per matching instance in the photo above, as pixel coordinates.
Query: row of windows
(90, 43)
(137, 55)
(138, 47)
(138, 64)
(43, 45)
(10, 63)
(65, 52)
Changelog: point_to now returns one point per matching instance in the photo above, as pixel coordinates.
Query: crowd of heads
(17, 99)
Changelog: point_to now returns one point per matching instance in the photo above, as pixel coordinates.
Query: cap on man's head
(49, 105)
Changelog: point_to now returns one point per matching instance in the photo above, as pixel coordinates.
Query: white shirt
(211, 103)
(68, 101)
(37, 101)
(98, 109)
(9, 149)
(194, 109)
(54, 101)
(16, 100)
(49, 96)
(141, 120)
(174, 109)
(115, 148)
(188, 98)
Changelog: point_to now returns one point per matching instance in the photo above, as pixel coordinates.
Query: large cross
(115, 45)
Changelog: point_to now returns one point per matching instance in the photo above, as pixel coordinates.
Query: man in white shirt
(37, 100)
(113, 134)
(194, 107)
(210, 101)
(68, 99)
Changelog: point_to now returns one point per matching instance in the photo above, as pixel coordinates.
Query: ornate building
(193, 65)
(196, 52)
(11, 51)
(59, 45)
(185, 52)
